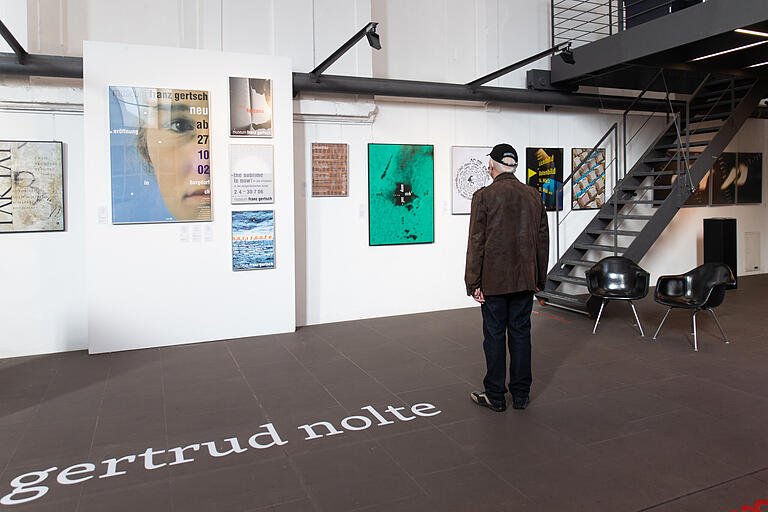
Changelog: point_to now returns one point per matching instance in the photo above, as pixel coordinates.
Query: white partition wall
(165, 284)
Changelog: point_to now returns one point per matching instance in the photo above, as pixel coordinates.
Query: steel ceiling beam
(334, 84)
(42, 65)
(72, 67)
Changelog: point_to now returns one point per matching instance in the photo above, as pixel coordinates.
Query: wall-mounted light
(567, 55)
(373, 37)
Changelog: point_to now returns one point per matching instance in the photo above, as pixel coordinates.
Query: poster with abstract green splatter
(401, 190)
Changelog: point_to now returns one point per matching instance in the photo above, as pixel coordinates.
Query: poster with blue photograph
(253, 240)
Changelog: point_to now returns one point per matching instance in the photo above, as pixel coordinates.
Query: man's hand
(478, 296)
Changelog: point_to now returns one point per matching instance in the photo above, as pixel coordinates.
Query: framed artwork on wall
(699, 197)
(545, 173)
(252, 173)
(330, 170)
(159, 155)
(250, 107)
(749, 178)
(588, 182)
(31, 186)
(724, 177)
(253, 240)
(401, 194)
(469, 174)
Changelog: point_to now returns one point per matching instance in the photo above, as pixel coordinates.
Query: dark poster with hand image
(699, 197)
(724, 174)
(749, 178)
(545, 173)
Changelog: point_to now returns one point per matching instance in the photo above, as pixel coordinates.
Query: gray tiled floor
(616, 422)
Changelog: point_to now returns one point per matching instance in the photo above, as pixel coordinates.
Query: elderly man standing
(507, 257)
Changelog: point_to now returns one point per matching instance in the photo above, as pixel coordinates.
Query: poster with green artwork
(401, 190)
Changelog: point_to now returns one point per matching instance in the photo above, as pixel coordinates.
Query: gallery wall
(164, 284)
(42, 275)
(343, 276)
(338, 276)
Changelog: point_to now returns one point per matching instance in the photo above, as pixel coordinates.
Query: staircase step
(717, 93)
(634, 217)
(568, 279)
(639, 201)
(696, 144)
(701, 131)
(710, 117)
(629, 216)
(647, 187)
(725, 83)
(579, 263)
(596, 247)
(659, 160)
(619, 232)
(641, 174)
(722, 103)
(563, 299)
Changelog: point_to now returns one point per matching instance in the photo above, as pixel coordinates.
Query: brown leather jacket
(508, 248)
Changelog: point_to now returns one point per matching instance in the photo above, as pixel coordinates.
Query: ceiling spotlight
(373, 37)
(729, 51)
(751, 32)
(567, 55)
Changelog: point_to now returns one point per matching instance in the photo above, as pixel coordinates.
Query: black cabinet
(720, 242)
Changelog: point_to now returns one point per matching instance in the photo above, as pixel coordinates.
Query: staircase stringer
(681, 190)
(601, 220)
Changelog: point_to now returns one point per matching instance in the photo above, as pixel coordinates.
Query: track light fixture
(567, 55)
(373, 37)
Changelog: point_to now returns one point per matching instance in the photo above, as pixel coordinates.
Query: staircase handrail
(629, 109)
(687, 152)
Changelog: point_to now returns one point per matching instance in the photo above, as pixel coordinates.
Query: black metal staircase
(647, 197)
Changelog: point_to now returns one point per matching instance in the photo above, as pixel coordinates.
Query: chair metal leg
(637, 319)
(695, 341)
(662, 322)
(718, 325)
(602, 305)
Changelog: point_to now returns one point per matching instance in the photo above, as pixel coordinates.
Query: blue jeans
(507, 321)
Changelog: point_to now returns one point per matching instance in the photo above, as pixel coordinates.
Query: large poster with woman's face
(159, 155)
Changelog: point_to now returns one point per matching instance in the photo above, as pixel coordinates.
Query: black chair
(617, 278)
(702, 288)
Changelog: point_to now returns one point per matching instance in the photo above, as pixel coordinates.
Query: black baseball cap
(502, 151)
